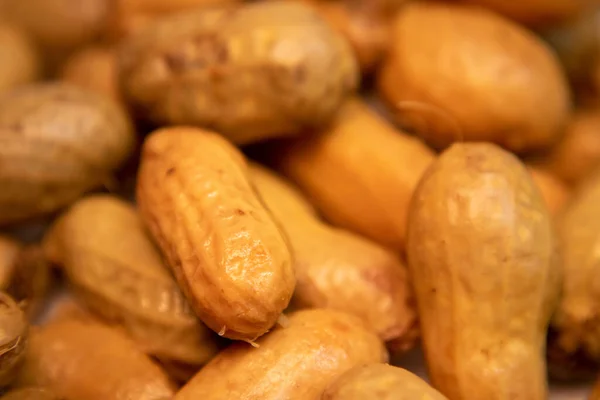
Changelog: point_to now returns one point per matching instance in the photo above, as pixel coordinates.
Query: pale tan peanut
(360, 173)
(538, 13)
(85, 360)
(555, 192)
(339, 270)
(58, 141)
(381, 382)
(93, 68)
(30, 394)
(292, 363)
(20, 63)
(365, 23)
(437, 78)
(118, 273)
(130, 16)
(577, 319)
(577, 155)
(482, 256)
(229, 256)
(250, 72)
(13, 337)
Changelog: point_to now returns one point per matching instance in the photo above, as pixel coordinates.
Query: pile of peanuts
(282, 199)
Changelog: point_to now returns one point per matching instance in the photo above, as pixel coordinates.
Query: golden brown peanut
(554, 192)
(454, 71)
(229, 256)
(13, 334)
(577, 320)
(93, 68)
(59, 141)
(360, 173)
(119, 274)
(60, 25)
(85, 360)
(9, 253)
(577, 155)
(30, 394)
(365, 23)
(483, 260)
(535, 12)
(339, 270)
(292, 363)
(20, 63)
(131, 16)
(249, 72)
(381, 382)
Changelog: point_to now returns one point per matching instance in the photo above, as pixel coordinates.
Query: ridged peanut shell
(79, 359)
(293, 363)
(229, 256)
(381, 382)
(118, 273)
(482, 256)
(339, 270)
(56, 142)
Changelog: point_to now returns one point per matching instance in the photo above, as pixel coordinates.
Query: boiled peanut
(437, 78)
(555, 193)
(339, 270)
(58, 141)
(380, 381)
(360, 173)
(482, 255)
(20, 62)
(85, 360)
(292, 363)
(30, 394)
(119, 274)
(250, 72)
(229, 256)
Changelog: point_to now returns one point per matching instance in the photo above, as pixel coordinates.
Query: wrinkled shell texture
(339, 270)
(435, 84)
(84, 360)
(249, 72)
(358, 181)
(30, 394)
(381, 382)
(292, 363)
(118, 273)
(57, 141)
(13, 336)
(229, 256)
(577, 319)
(483, 260)
(20, 62)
